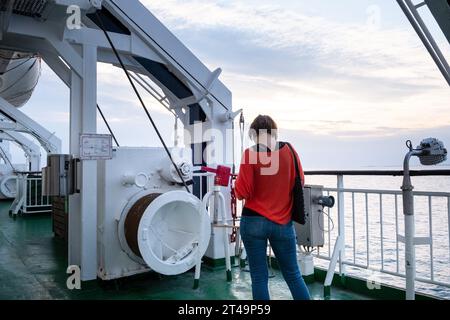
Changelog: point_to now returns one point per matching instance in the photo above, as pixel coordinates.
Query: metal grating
(30, 8)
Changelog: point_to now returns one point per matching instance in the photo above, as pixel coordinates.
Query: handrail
(389, 192)
(367, 214)
(28, 172)
(378, 243)
(394, 173)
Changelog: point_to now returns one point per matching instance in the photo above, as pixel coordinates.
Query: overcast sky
(347, 81)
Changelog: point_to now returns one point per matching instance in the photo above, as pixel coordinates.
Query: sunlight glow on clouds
(381, 79)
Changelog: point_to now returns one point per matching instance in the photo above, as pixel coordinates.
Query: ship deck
(33, 264)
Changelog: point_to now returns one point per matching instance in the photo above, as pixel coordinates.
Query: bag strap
(297, 170)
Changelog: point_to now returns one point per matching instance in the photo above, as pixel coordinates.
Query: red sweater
(266, 181)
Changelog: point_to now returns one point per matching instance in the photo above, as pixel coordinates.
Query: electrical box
(96, 147)
(59, 175)
(312, 233)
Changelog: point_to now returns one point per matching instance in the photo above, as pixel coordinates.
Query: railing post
(408, 212)
(341, 223)
(448, 222)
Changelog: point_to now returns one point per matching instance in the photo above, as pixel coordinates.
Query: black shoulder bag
(298, 209)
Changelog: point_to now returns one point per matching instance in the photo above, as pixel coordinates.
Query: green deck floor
(33, 264)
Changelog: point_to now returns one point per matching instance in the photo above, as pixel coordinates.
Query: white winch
(147, 221)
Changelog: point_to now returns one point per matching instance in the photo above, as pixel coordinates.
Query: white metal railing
(35, 200)
(29, 198)
(370, 223)
(380, 233)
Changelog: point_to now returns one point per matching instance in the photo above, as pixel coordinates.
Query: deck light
(327, 201)
(430, 152)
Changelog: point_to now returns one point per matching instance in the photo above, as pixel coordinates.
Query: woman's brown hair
(262, 123)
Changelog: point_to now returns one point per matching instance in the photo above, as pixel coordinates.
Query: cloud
(314, 67)
(383, 53)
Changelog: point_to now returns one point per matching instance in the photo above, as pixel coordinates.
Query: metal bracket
(418, 241)
(230, 116)
(193, 100)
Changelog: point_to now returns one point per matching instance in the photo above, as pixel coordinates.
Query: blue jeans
(255, 231)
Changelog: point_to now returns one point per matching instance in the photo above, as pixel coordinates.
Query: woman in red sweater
(266, 179)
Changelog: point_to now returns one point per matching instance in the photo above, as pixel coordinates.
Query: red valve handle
(208, 169)
(223, 175)
(212, 170)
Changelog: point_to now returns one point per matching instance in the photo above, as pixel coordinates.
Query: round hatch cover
(174, 232)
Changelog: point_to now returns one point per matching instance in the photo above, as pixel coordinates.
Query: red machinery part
(223, 175)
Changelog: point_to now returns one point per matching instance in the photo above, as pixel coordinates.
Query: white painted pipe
(140, 180)
(408, 211)
(169, 173)
(222, 207)
(410, 257)
(334, 259)
(226, 238)
(198, 265)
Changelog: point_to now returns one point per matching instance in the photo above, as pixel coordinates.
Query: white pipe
(334, 258)
(226, 239)
(222, 207)
(198, 265)
(410, 257)
(408, 211)
(341, 217)
(140, 180)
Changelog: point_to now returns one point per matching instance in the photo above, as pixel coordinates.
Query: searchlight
(430, 152)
